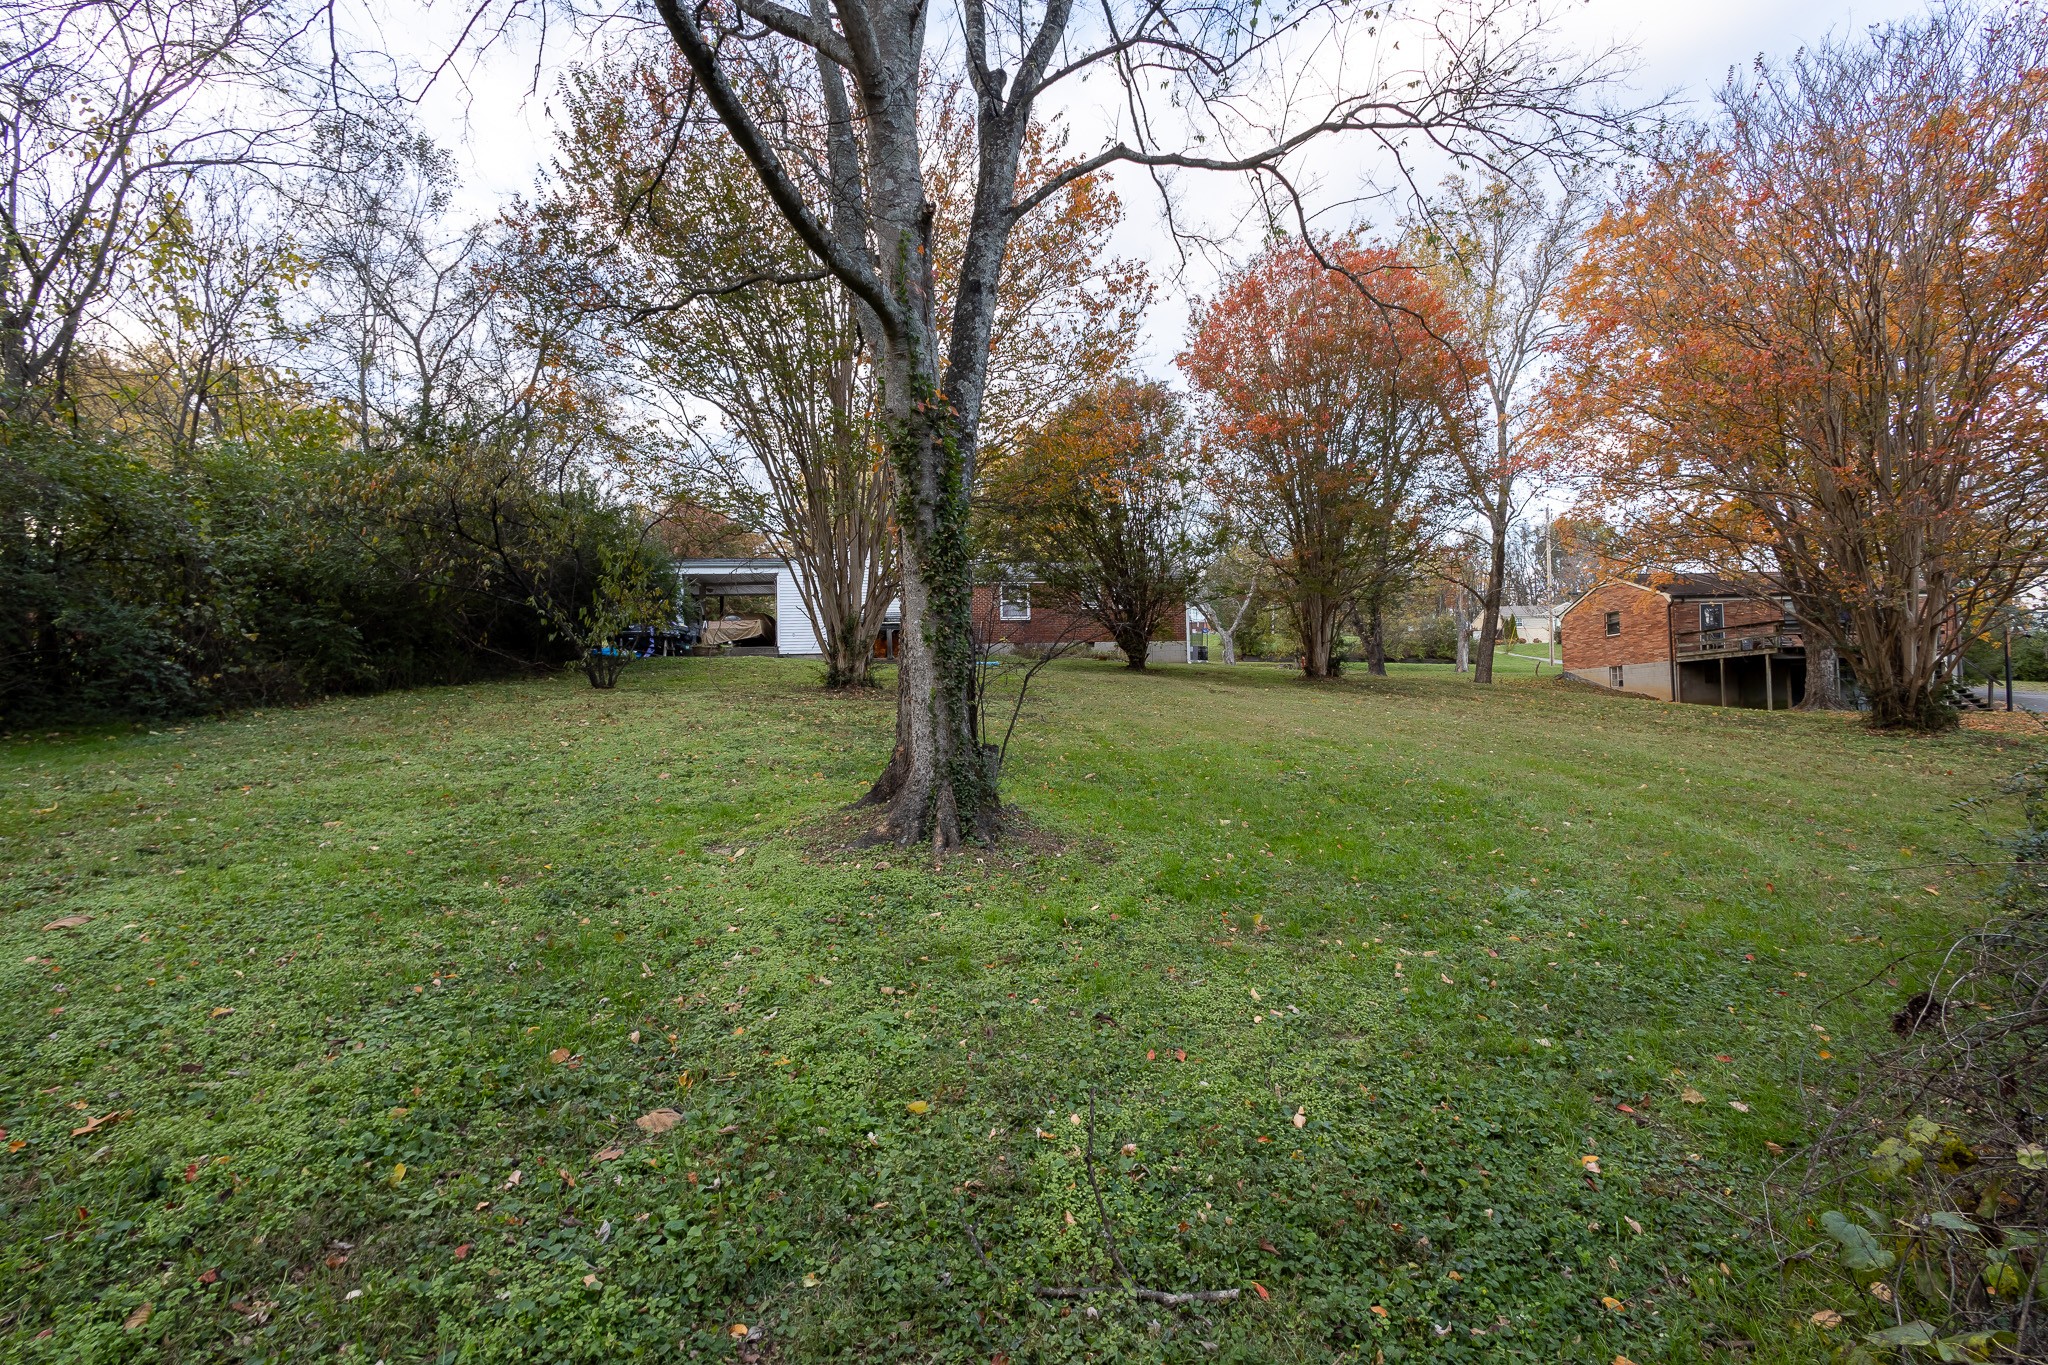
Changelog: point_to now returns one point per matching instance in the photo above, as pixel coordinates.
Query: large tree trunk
(1317, 619)
(1823, 676)
(1496, 576)
(849, 652)
(1135, 644)
(939, 785)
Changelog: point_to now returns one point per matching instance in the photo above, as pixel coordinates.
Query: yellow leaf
(917, 1106)
(220, 1010)
(1613, 1303)
(737, 1331)
(398, 1173)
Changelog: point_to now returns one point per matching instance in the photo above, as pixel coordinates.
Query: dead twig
(1101, 1210)
(1172, 1299)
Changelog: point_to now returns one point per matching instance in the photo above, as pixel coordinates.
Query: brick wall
(1049, 625)
(1589, 651)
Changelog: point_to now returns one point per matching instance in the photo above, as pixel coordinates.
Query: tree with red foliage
(1328, 412)
(1812, 345)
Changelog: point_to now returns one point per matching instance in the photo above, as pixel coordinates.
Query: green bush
(261, 573)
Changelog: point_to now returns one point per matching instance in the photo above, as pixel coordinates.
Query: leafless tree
(1501, 251)
(104, 104)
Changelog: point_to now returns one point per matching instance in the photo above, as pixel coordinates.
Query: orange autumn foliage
(1812, 344)
(1327, 411)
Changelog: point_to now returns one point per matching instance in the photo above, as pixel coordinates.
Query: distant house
(1006, 615)
(1009, 617)
(1528, 621)
(1689, 638)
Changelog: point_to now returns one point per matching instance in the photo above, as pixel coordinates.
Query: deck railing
(1747, 637)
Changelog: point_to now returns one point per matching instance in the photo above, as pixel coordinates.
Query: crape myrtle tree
(1328, 415)
(1812, 344)
(1195, 85)
(1100, 505)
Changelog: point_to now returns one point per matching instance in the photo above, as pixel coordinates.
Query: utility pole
(1550, 579)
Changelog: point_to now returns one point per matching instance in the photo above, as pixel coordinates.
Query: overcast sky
(499, 130)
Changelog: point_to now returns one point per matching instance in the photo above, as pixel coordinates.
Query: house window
(1713, 615)
(1013, 604)
(1614, 623)
(1614, 675)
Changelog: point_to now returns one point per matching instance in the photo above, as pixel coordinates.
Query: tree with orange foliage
(1811, 345)
(1329, 414)
(1099, 505)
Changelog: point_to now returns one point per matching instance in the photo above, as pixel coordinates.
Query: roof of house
(1683, 586)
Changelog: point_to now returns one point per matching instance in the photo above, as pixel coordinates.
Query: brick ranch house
(1688, 638)
(1008, 617)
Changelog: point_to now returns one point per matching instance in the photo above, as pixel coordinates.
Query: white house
(1533, 621)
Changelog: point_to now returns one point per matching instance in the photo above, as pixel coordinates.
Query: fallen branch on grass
(1169, 1298)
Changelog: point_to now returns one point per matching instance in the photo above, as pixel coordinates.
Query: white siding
(795, 632)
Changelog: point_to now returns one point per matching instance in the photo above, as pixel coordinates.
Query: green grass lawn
(1441, 1023)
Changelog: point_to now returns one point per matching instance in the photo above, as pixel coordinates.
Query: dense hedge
(252, 575)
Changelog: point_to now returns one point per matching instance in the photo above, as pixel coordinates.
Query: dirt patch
(845, 837)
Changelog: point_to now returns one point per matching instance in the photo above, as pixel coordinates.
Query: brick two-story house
(1687, 637)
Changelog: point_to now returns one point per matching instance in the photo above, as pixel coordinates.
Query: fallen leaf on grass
(1379, 1310)
(1738, 1106)
(1262, 1290)
(209, 1275)
(1591, 1163)
(397, 1173)
(917, 1106)
(220, 1011)
(610, 1154)
(1826, 1317)
(658, 1120)
(462, 1252)
(1301, 1117)
(135, 1320)
(70, 922)
(512, 1180)
(104, 1120)
(1633, 1225)
(1613, 1304)
(1692, 1096)
(560, 1055)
